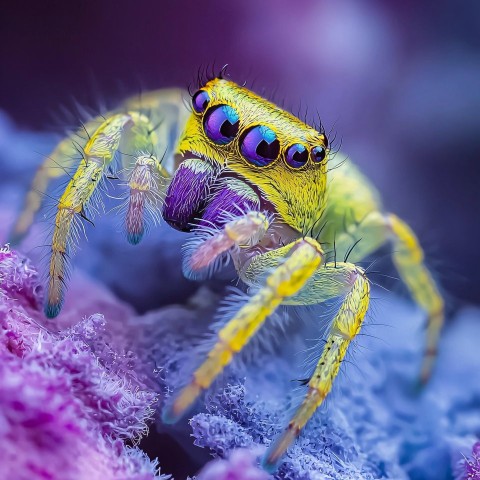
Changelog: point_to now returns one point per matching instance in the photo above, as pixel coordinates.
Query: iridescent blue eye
(221, 124)
(297, 155)
(200, 101)
(318, 154)
(260, 146)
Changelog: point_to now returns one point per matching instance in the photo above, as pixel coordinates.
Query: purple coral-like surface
(63, 413)
(469, 466)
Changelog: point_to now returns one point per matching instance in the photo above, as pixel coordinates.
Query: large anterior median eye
(200, 101)
(297, 155)
(260, 146)
(221, 124)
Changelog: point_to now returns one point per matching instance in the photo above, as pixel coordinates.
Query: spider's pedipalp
(206, 250)
(144, 184)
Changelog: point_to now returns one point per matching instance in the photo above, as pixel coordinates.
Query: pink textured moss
(63, 413)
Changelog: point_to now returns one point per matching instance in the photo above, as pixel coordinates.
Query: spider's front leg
(296, 263)
(56, 165)
(334, 280)
(138, 134)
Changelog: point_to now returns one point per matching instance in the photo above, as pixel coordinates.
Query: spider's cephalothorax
(251, 182)
(234, 133)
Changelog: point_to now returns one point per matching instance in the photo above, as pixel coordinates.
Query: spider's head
(238, 134)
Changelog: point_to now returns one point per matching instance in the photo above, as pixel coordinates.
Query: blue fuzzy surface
(377, 423)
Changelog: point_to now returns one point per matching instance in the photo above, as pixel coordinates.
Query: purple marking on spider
(226, 200)
(187, 192)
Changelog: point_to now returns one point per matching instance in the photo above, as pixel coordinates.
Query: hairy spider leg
(345, 327)
(375, 230)
(354, 214)
(167, 113)
(409, 260)
(333, 280)
(56, 165)
(98, 154)
(300, 260)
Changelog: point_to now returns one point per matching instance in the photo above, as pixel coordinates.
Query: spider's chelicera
(253, 182)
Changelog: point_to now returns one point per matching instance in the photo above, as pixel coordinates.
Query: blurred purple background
(399, 84)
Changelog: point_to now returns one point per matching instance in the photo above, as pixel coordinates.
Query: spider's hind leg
(354, 213)
(409, 260)
(375, 230)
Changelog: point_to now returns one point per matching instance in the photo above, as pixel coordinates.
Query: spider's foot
(173, 412)
(52, 310)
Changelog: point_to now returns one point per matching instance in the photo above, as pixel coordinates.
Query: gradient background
(398, 83)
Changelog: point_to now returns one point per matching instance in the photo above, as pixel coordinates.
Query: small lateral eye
(318, 154)
(297, 155)
(221, 124)
(260, 145)
(200, 101)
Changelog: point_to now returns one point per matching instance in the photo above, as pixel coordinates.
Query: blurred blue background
(397, 82)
